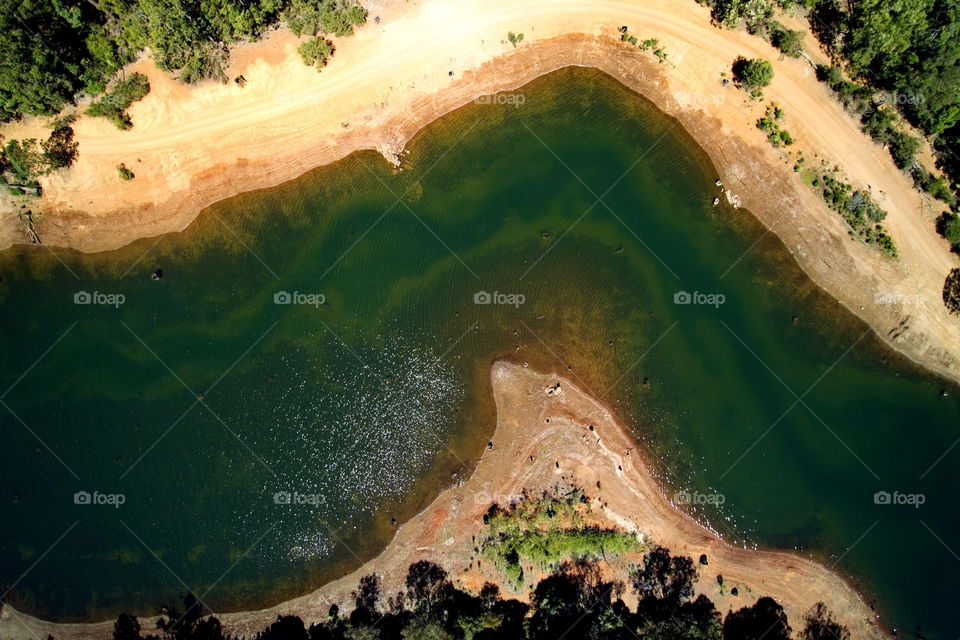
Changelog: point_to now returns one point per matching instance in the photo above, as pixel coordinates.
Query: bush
(316, 52)
(514, 38)
(124, 172)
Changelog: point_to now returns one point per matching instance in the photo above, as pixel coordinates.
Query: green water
(378, 398)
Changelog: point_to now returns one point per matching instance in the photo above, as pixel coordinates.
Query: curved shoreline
(554, 429)
(195, 143)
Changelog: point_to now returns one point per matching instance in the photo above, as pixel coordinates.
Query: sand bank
(193, 146)
(554, 430)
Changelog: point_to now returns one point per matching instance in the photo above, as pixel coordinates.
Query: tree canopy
(52, 50)
(575, 601)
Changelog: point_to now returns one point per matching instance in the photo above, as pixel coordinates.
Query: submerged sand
(415, 61)
(543, 438)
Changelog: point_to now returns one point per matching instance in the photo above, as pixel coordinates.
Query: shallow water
(585, 201)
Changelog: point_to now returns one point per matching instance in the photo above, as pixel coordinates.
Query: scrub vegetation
(542, 533)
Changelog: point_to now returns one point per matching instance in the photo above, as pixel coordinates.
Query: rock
(703, 559)
(555, 390)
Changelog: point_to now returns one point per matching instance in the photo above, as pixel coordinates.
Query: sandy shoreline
(191, 147)
(553, 430)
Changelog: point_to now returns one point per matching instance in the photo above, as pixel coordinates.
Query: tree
(765, 619)
(366, 599)
(42, 50)
(822, 626)
(285, 628)
(59, 150)
(127, 627)
(753, 74)
(664, 577)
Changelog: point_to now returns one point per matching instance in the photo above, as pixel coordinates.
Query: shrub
(903, 148)
(114, 105)
(860, 212)
(788, 41)
(124, 172)
(316, 52)
(514, 38)
(770, 124)
(310, 17)
(951, 229)
(951, 291)
(939, 188)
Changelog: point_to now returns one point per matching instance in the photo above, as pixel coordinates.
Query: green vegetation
(646, 45)
(514, 38)
(125, 173)
(889, 58)
(770, 124)
(52, 51)
(114, 105)
(858, 209)
(752, 75)
(951, 291)
(790, 42)
(950, 229)
(310, 17)
(22, 162)
(576, 601)
(316, 51)
(542, 533)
